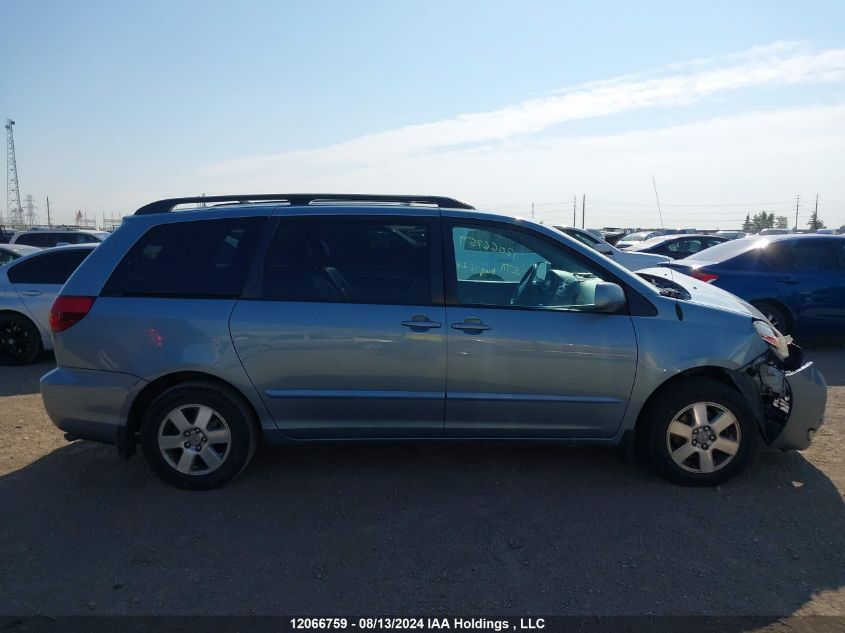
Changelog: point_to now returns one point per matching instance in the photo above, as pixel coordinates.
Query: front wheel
(700, 434)
(198, 435)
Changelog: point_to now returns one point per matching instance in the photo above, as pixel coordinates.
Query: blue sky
(733, 106)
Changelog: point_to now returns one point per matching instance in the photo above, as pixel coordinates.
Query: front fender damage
(786, 395)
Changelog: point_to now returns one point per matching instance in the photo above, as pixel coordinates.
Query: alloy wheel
(194, 439)
(703, 437)
(15, 341)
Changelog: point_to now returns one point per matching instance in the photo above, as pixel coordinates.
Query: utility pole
(574, 210)
(583, 205)
(797, 198)
(49, 223)
(532, 210)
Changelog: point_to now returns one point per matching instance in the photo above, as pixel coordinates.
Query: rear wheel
(701, 433)
(20, 341)
(198, 435)
(775, 315)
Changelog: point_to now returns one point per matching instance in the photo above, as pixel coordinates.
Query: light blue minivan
(197, 332)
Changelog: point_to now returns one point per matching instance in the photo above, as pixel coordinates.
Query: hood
(694, 291)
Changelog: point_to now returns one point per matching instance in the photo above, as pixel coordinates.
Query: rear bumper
(90, 404)
(806, 415)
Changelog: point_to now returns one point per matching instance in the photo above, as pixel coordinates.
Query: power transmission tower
(13, 192)
(797, 199)
(31, 217)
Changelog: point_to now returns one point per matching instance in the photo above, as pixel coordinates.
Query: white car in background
(28, 286)
(11, 252)
(51, 237)
(631, 261)
(632, 239)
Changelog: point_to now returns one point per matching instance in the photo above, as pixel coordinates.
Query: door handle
(789, 280)
(31, 293)
(471, 325)
(421, 322)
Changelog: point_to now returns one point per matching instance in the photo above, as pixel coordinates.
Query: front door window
(503, 267)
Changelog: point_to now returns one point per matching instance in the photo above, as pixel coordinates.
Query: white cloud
(710, 173)
(780, 63)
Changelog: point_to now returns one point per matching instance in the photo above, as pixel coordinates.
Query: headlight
(766, 332)
(779, 342)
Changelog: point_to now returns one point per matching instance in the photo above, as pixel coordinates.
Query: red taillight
(68, 311)
(703, 276)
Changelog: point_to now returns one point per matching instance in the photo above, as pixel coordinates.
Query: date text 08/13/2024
(375, 623)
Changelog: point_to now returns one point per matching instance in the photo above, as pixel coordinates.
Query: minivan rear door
(342, 332)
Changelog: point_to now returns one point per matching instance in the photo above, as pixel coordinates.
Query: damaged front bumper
(789, 403)
(808, 394)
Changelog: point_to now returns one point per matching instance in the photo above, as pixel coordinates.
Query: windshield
(584, 238)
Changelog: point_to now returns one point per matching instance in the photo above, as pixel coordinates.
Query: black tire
(231, 412)
(776, 315)
(678, 401)
(20, 340)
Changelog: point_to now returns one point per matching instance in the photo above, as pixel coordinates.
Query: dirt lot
(416, 529)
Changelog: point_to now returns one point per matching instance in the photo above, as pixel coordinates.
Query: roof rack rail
(301, 199)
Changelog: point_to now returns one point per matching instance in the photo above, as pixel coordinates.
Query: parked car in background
(676, 246)
(612, 237)
(632, 239)
(631, 261)
(732, 235)
(48, 238)
(826, 231)
(775, 232)
(292, 317)
(11, 252)
(28, 287)
(797, 281)
(5, 234)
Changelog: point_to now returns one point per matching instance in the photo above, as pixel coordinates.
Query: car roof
(57, 229)
(20, 248)
(777, 237)
(43, 252)
(677, 236)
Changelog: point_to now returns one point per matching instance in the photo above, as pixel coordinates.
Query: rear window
(205, 258)
(49, 268)
(728, 250)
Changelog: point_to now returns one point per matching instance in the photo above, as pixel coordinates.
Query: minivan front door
(527, 355)
(345, 339)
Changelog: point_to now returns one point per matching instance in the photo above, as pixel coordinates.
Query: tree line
(768, 220)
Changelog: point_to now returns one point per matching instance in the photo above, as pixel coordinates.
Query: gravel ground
(416, 529)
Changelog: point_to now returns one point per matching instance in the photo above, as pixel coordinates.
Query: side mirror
(609, 297)
(604, 248)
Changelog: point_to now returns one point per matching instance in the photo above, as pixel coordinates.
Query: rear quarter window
(205, 258)
(32, 239)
